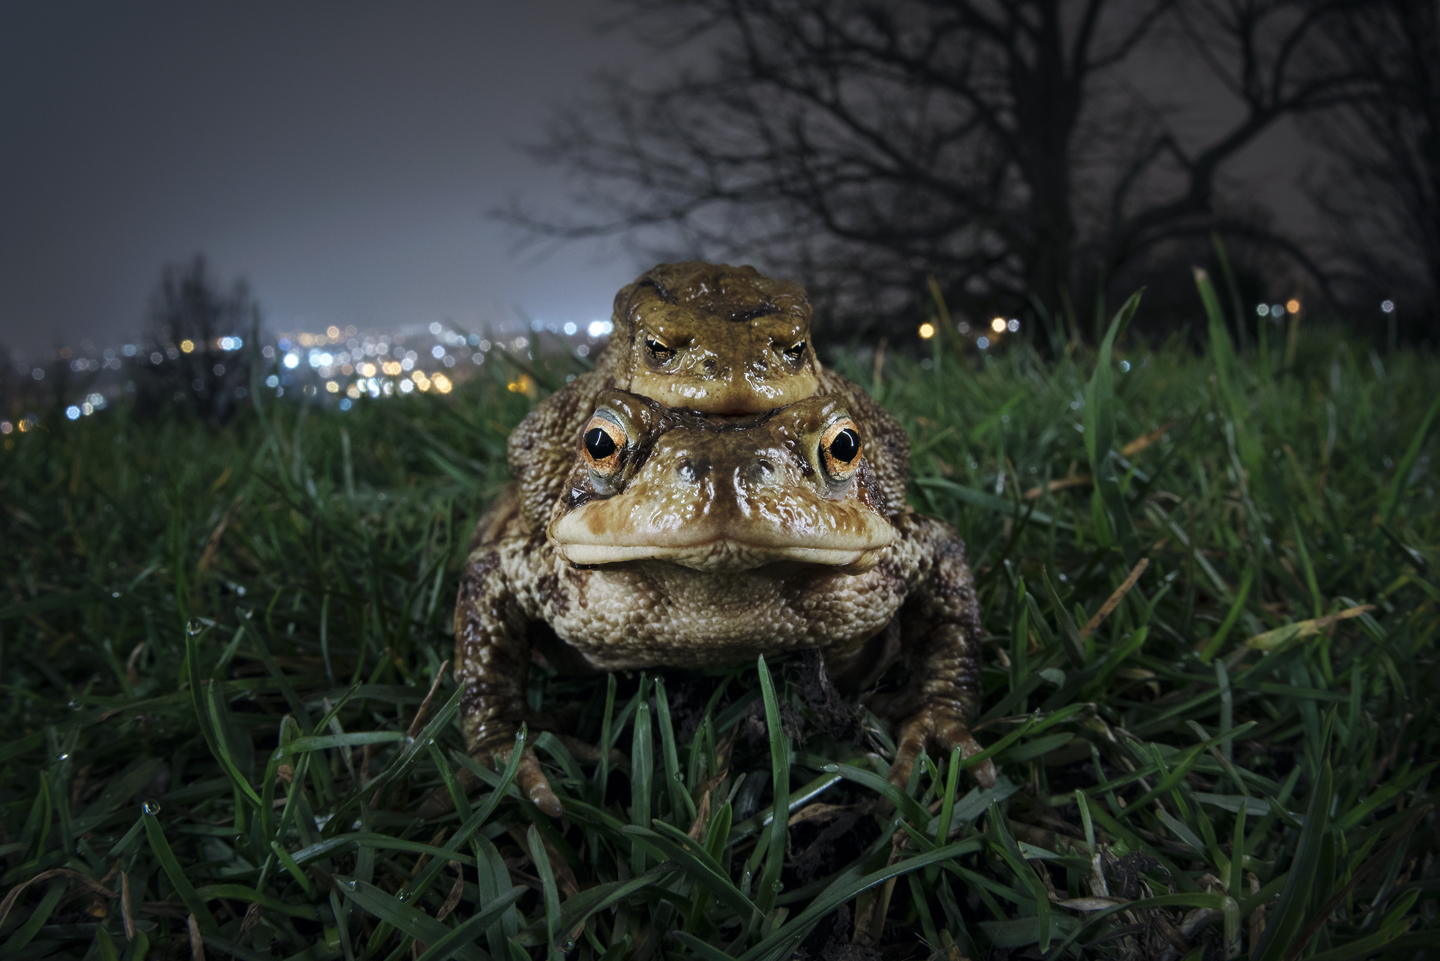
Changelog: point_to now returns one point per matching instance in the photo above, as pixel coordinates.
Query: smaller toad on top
(709, 338)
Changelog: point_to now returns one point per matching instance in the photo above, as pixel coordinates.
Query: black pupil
(600, 444)
(797, 350)
(658, 349)
(846, 446)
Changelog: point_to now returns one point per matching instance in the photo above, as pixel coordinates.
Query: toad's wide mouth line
(717, 552)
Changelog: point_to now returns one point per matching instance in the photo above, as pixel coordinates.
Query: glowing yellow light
(24, 426)
(367, 370)
(187, 345)
(1292, 305)
(442, 383)
(332, 387)
(423, 384)
(306, 340)
(926, 332)
(333, 332)
(998, 325)
(522, 384)
(353, 392)
(391, 367)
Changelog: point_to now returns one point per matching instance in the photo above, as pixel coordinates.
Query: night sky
(341, 157)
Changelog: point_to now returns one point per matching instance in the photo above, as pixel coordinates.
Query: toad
(697, 540)
(705, 337)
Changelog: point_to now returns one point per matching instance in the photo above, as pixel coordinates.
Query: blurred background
(347, 199)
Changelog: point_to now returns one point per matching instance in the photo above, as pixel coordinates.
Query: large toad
(706, 337)
(693, 540)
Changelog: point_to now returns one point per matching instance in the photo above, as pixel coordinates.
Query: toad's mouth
(847, 536)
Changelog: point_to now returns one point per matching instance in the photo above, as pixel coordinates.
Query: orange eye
(840, 449)
(603, 441)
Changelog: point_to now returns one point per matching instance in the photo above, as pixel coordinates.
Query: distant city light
(1388, 306)
(38, 374)
(187, 345)
(272, 381)
(1013, 325)
(332, 387)
(6, 427)
(406, 387)
(332, 332)
(570, 329)
(292, 360)
(1292, 305)
(597, 328)
(927, 330)
(346, 404)
(1277, 309)
(72, 412)
(1262, 310)
(983, 342)
(998, 325)
(435, 327)
(437, 351)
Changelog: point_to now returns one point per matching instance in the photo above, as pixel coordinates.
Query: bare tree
(861, 145)
(195, 358)
(1381, 190)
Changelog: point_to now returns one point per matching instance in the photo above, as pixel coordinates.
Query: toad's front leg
(492, 664)
(940, 641)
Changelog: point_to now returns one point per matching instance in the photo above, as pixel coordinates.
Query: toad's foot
(533, 782)
(942, 727)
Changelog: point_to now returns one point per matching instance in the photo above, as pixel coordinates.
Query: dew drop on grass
(777, 887)
(568, 946)
(115, 594)
(679, 777)
(193, 626)
(62, 758)
(152, 807)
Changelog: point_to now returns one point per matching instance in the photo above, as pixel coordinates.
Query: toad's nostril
(691, 471)
(760, 473)
(710, 363)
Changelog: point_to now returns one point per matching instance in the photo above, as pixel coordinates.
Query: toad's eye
(658, 352)
(603, 441)
(840, 449)
(795, 353)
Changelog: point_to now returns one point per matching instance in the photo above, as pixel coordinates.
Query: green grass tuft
(1212, 593)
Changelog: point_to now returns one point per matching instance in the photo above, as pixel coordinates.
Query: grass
(1211, 587)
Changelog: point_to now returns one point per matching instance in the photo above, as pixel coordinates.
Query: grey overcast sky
(341, 156)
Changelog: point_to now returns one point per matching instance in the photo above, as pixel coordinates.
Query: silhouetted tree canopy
(185, 365)
(1009, 149)
(1382, 190)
